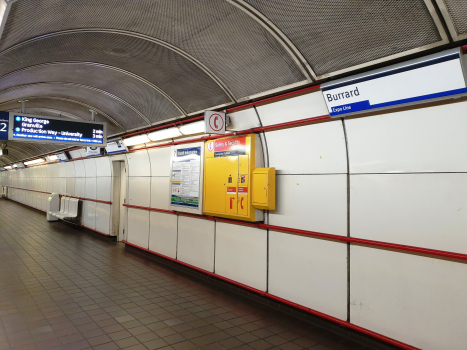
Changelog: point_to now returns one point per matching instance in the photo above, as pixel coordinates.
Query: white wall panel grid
(79, 168)
(243, 120)
(311, 202)
(241, 254)
(90, 189)
(75, 154)
(139, 191)
(311, 149)
(163, 234)
(311, 272)
(80, 187)
(62, 170)
(415, 299)
(70, 169)
(103, 218)
(295, 108)
(90, 167)
(103, 190)
(138, 227)
(103, 167)
(160, 192)
(89, 214)
(138, 163)
(70, 186)
(196, 242)
(423, 210)
(62, 185)
(428, 139)
(160, 161)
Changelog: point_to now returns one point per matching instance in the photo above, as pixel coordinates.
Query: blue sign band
(56, 138)
(365, 105)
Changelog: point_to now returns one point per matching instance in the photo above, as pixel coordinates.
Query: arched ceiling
(143, 62)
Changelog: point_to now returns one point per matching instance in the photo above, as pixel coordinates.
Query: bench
(70, 209)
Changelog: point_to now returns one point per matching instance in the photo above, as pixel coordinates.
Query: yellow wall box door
(229, 163)
(264, 188)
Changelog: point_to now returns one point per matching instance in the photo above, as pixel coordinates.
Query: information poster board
(185, 179)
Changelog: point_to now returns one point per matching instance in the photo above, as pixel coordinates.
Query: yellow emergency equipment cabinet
(264, 188)
(228, 169)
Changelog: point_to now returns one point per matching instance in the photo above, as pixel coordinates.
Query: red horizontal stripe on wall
(298, 306)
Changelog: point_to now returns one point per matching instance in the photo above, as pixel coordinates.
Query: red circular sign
(216, 122)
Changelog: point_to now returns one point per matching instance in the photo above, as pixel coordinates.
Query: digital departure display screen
(45, 129)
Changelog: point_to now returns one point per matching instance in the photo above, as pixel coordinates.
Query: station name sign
(437, 76)
(35, 128)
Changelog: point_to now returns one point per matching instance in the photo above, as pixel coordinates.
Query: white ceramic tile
(54, 170)
(56, 185)
(160, 192)
(90, 167)
(104, 188)
(90, 188)
(312, 149)
(414, 299)
(62, 182)
(241, 254)
(424, 210)
(310, 272)
(196, 242)
(70, 186)
(89, 214)
(75, 154)
(80, 187)
(160, 161)
(61, 169)
(243, 120)
(139, 191)
(138, 227)
(79, 168)
(70, 169)
(312, 203)
(103, 218)
(163, 234)
(103, 167)
(138, 163)
(295, 108)
(428, 139)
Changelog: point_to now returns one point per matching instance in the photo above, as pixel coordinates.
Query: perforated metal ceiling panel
(180, 78)
(235, 47)
(340, 34)
(455, 14)
(140, 95)
(127, 117)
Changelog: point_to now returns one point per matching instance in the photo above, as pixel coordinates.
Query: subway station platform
(64, 287)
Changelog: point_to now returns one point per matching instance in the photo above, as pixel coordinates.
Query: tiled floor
(63, 287)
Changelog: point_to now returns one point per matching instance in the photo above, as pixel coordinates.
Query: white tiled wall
(311, 202)
(415, 299)
(196, 242)
(408, 185)
(310, 272)
(241, 254)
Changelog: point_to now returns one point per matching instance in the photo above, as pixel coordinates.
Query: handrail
(295, 305)
(345, 239)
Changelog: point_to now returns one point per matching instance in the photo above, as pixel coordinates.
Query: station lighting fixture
(8, 167)
(164, 134)
(53, 158)
(193, 128)
(35, 161)
(15, 165)
(136, 140)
